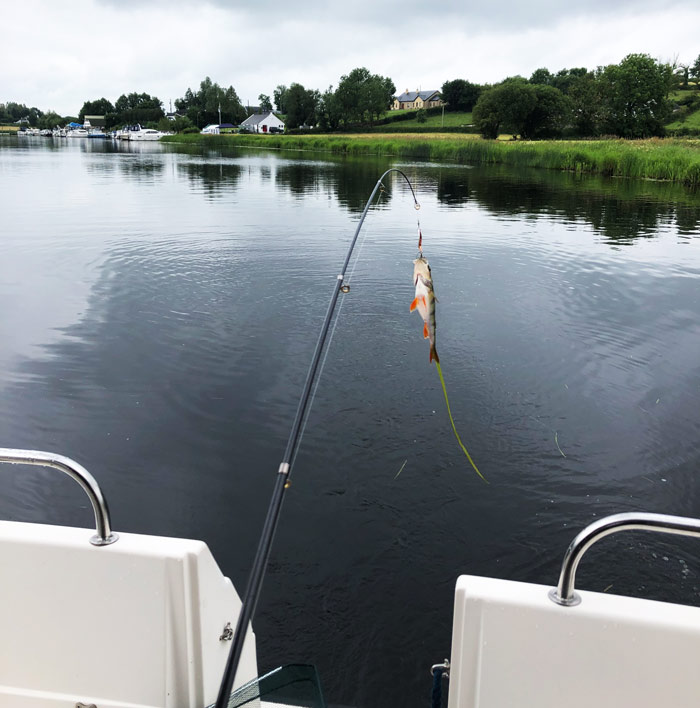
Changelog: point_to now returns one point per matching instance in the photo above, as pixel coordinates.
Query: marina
(164, 346)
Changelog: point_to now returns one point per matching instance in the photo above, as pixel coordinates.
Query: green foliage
(301, 105)
(181, 124)
(550, 114)
(363, 97)
(265, 103)
(460, 95)
(12, 112)
(694, 72)
(421, 115)
(566, 79)
(542, 77)
(202, 107)
(50, 120)
(586, 95)
(136, 101)
(280, 95)
(505, 107)
(99, 107)
(329, 111)
(635, 94)
(135, 108)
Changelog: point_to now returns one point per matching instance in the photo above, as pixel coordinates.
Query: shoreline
(667, 159)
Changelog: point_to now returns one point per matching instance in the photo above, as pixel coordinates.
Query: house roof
(258, 118)
(413, 95)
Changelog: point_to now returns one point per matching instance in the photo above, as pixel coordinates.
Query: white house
(263, 123)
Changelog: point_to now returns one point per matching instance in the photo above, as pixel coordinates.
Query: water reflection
(621, 210)
(214, 177)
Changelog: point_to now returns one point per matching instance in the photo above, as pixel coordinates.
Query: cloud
(162, 48)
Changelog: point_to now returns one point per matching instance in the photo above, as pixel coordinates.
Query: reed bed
(675, 160)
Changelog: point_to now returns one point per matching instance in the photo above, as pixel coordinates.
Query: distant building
(263, 123)
(417, 99)
(218, 129)
(94, 121)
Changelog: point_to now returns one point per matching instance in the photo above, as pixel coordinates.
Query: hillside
(406, 122)
(686, 116)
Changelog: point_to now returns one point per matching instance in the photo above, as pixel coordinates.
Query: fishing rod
(282, 482)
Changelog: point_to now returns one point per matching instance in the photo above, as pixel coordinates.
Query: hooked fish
(424, 301)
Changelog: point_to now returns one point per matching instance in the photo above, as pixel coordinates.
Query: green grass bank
(675, 160)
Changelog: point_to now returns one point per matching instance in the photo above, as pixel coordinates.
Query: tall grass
(675, 160)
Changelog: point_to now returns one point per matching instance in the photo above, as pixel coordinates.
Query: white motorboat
(136, 132)
(146, 134)
(78, 133)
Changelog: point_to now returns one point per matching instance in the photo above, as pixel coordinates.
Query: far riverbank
(672, 159)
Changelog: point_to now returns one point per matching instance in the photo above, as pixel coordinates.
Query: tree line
(629, 99)
(361, 97)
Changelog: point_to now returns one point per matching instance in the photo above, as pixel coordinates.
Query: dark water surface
(158, 311)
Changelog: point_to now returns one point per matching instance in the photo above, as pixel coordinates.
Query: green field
(432, 122)
(672, 159)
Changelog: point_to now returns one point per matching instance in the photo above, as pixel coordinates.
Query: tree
(506, 106)
(50, 120)
(136, 108)
(460, 95)
(694, 72)
(421, 115)
(363, 97)
(12, 112)
(203, 106)
(635, 95)
(179, 125)
(100, 107)
(549, 115)
(329, 111)
(566, 79)
(280, 94)
(587, 109)
(265, 103)
(301, 106)
(541, 76)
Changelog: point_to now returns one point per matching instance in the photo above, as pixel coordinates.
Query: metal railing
(104, 535)
(564, 594)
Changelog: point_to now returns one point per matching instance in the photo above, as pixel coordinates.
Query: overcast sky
(55, 55)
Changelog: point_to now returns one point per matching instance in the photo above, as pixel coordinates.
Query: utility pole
(219, 112)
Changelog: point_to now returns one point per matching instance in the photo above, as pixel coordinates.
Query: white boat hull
(136, 623)
(512, 646)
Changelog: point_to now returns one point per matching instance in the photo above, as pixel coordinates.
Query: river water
(158, 311)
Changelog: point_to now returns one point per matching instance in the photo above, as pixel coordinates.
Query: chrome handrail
(564, 594)
(104, 535)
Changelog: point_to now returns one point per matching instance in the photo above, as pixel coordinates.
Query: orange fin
(426, 334)
(416, 301)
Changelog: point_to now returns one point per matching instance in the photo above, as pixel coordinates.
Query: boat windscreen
(290, 685)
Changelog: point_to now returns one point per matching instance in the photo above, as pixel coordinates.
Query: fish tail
(454, 429)
(434, 356)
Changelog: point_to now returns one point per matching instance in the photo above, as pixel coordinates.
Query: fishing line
(452, 422)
